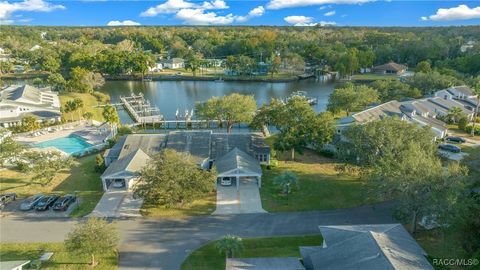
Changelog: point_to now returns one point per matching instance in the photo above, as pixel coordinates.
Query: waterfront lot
(81, 179)
(89, 104)
(320, 186)
(61, 259)
(208, 257)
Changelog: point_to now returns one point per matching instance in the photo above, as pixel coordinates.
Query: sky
(240, 12)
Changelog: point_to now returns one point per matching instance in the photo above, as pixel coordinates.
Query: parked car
(455, 139)
(31, 202)
(118, 183)
(7, 198)
(450, 148)
(46, 202)
(226, 181)
(64, 202)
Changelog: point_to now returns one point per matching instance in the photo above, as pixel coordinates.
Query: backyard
(208, 258)
(81, 179)
(320, 185)
(61, 259)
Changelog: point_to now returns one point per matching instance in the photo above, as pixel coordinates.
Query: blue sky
(226, 12)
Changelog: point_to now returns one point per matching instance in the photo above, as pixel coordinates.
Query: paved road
(164, 244)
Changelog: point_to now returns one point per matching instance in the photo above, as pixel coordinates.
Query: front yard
(90, 103)
(203, 206)
(61, 259)
(207, 257)
(81, 179)
(320, 186)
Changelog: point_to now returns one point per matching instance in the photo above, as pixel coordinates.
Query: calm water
(169, 96)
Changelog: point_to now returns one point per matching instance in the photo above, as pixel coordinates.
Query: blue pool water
(69, 145)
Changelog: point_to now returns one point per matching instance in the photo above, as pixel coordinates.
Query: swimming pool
(70, 144)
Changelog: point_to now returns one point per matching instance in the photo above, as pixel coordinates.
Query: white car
(118, 183)
(226, 181)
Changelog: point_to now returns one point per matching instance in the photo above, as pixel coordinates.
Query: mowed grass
(320, 186)
(61, 259)
(81, 178)
(90, 103)
(208, 257)
(203, 206)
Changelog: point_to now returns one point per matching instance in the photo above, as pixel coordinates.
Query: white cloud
(279, 4)
(8, 8)
(305, 21)
(174, 6)
(256, 12)
(200, 17)
(462, 12)
(298, 20)
(122, 23)
(330, 13)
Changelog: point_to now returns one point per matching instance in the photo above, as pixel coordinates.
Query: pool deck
(92, 134)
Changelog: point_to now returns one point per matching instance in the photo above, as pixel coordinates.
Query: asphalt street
(165, 243)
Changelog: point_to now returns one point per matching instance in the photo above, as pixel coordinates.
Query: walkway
(165, 243)
(244, 201)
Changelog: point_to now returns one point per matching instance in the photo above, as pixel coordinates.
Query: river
(169, 96)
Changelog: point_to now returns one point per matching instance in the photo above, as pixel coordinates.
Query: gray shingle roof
(239, 161)
(286, 263)
(385, 246)
(387, 109)
(196, 143)
(252, 144)
(390, 66)
(127, 166)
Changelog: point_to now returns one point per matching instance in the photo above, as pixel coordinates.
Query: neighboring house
(234, 155)
(35, 47)
(18, 68)
(213, 62)
(14, 265)
(158, 67)
(274, 263)
(423, 112)
(467, 46)
(173, 63)
(16, 102)
(382, 247)
(4, 56)
(389, 68)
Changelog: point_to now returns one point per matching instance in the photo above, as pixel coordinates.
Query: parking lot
(13, 209)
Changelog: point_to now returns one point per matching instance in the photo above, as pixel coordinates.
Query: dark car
(450, 148)
(455, 139)
(6, 198)
(64, 202)
(46, 202)
(31, 202)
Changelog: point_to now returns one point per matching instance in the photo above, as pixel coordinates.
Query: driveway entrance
(242, 201)
(117, 203)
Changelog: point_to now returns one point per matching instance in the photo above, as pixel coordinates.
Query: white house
(173, 63)
(156, 68)
(17, 101)
(35, 47)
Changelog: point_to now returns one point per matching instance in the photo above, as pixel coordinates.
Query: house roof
(383, 246)
(127, 166)
(250, 143)
(237, 162)
(13, 264)
(462, 89)
(390, 66)
(196, 143)
(286, 263)
(388, 109)
(25, 92)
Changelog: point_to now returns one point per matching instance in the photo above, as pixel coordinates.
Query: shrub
(462, 123)
(468, 129)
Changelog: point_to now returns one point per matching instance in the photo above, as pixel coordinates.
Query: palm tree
(285, 181)
(229, 245)
(70, 107)
(454, 114)
(78, 105)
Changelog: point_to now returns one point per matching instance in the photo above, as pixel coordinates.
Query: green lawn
(203, 206)
(208, 258)
(81, 178)
(90, 103)
(320, 186)
(373, 77)
(61, 259)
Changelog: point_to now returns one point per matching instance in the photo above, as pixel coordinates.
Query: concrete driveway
(244, 201)
(117, 203)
